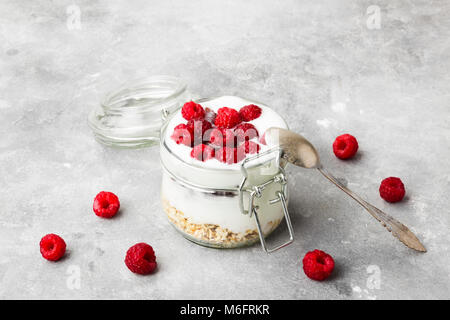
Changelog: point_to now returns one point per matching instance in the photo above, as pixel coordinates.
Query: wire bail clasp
(256, 191)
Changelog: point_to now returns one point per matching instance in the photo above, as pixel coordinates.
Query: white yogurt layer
(201, 208)
(268, 118)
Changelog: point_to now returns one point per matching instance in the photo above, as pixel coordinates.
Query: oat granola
(212, 233)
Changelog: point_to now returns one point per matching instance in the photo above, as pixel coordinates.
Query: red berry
(250, 147)
(318, 265)
(227, 118)
(222, 137)
(141, 259)
(225, 154)
(202, 152)
(345, 146)
(106, 204)
(182, 134)
(199, 127)
(250, 112)
(392, 189)
(245, 131)
(192, 111)
(230, 155)
(53, 247)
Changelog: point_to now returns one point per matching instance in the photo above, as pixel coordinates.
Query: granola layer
(212, 233)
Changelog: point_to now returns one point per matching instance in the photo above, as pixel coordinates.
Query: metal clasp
(255, 191)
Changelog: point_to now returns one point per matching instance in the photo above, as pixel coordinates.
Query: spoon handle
(398, 229)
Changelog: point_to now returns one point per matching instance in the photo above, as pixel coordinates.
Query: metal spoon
(300, 152)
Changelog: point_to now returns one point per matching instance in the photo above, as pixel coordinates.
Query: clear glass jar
(132, 115)
(224, 207)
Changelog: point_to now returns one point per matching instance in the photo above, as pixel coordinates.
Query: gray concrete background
(321, 64)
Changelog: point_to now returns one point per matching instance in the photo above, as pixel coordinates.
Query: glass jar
(224, 207)
(221, 207)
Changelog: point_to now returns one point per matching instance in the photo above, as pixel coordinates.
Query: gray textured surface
(316, 62)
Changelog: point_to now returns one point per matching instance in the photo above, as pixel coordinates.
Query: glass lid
(132, 115)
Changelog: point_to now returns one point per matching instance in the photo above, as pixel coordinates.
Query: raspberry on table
(230, 155)
(182, 134)
(199, 128)
(106, 204)
(202, 152)
(222, 137)
(192, 111)
(227, 118)
(318, 265)
(245, 131)
(52, 247)
(250, 112)
(392, 189)
(141, 259)
(345, 146)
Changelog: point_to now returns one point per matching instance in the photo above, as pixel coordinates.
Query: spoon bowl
(296, 149)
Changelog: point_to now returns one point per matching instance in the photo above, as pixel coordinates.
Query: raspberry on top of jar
(220, 133)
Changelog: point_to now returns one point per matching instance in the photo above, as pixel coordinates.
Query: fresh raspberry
(230, 155)
(210, 115)
(250, 112)
(222, 137)
(345, 146)
(199, 127)
(192, 111)
(53, 247)
(226, 154)
(245, 131)
(392, 189)
(227, 118)
(106, 204)
(250, 147)
(202, 152)
(141, 259)
(182, 134)
(318, 265)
